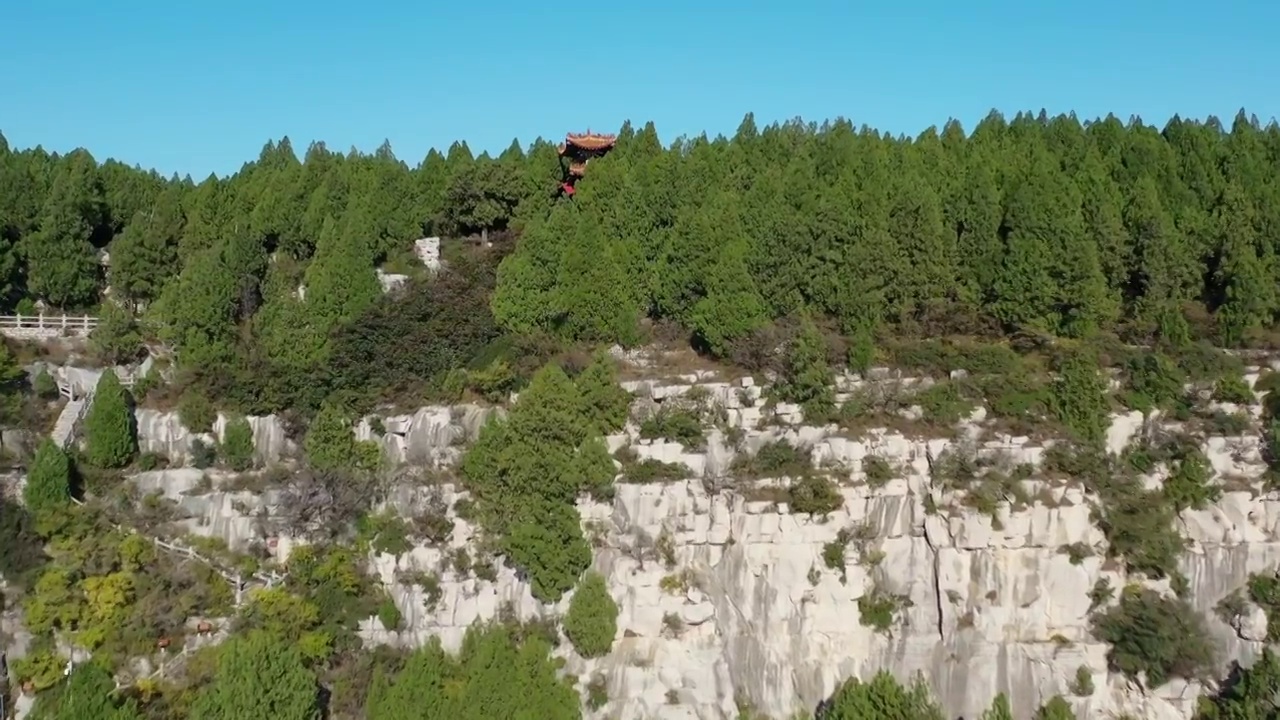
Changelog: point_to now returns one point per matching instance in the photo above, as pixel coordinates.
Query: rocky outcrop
(725, 593)
(431, 437)
(208, 507)
(162, 433)
(79, 381)
(18, 443)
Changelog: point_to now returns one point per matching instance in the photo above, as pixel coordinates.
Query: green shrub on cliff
(526, 473)
(110, 430)
(592, 620)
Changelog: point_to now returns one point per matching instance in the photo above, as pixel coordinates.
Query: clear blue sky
(196, 87)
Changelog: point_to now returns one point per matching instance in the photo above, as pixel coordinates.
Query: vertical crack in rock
(937, 584)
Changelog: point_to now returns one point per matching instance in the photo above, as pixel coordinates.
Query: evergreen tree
(87, 694)
(605, 403)
(340, 280)
(1248, 291)
(110, 428)
(883, 698)
(12, 383)
(806, 378)
(48, 489)
(62, 266)
(979, 213)
(526, 474)
(1164, 266)
(238, 444)
(594, 297)
(497, 674)
(144, 255)
(1079, 397)
(329, 443)
(592, 620)
(417, 691)
(116, 339)
(24, 553)
(197, 311)
(928, 248)
(1040, 223)
(258, 675)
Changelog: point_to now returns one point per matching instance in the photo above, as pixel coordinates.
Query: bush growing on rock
(1138, 523)
(389, 615)
(237, 444)
(203, 455)
(806, 378)
(110, 429)
(1264, 590)
(196, 412)
(1155, 635)
(604, 401)
(774, 459)
(999, 710)
(1079, 397)
(675, 424)
(815, 494)
(1190, 485)
(595, 468)
(44, 386)
(526, 473)
(1139, 526)
(546, 543)
(87, 694)
(1232, 388)
(1155, 383)
(592, 620)
(500, 672)
(331, 446)
(1247, 693)
(1056, 709)
(944, 403)
(883, 698)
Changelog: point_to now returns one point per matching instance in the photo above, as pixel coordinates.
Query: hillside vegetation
(1031, 226)
(1034, 253)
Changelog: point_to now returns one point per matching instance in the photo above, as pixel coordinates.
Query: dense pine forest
(1036, 226)
(264, 293)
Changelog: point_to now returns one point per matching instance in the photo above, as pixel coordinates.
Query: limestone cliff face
(162, 433)
(725, 594)
(430, 436)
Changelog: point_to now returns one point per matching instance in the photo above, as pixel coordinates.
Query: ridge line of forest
(1034, 226)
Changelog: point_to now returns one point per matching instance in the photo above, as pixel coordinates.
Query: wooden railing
(237, 579)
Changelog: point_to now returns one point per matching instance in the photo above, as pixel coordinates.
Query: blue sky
(197, 87)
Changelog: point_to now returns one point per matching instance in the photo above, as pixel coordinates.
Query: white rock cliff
(725, 596)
